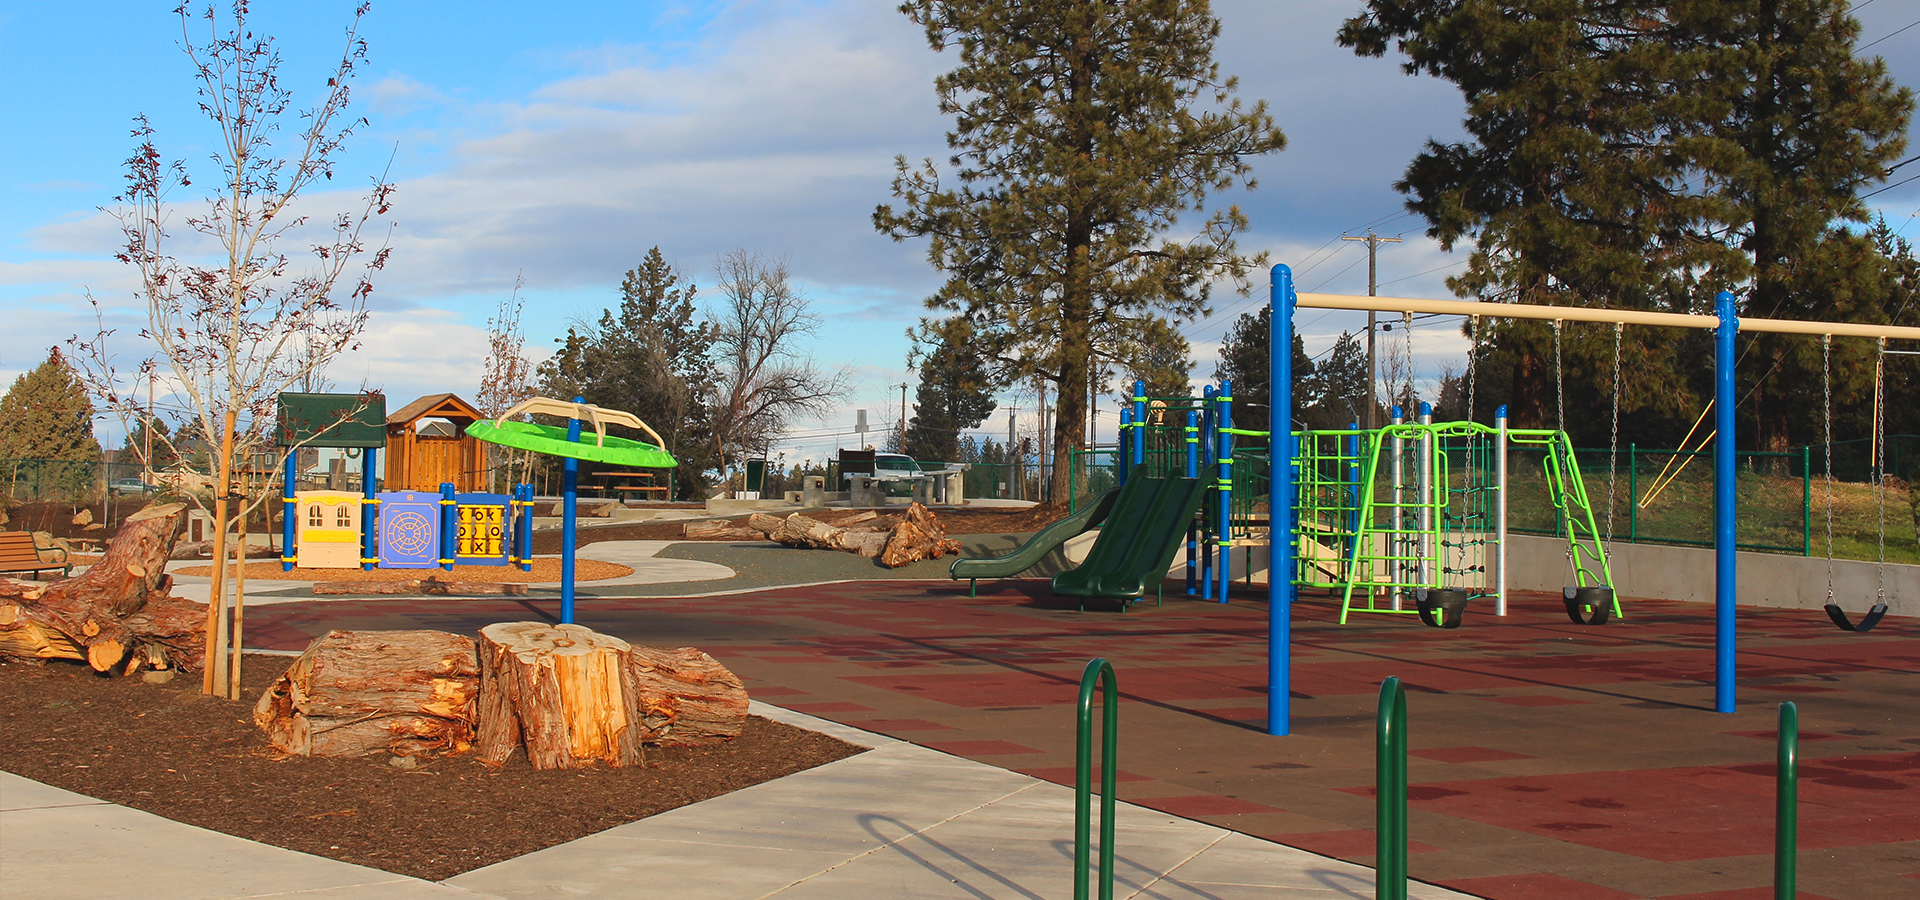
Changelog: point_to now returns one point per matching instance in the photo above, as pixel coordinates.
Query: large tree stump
(117, 611)
(357, 693)
(685, 698)
(562, 691)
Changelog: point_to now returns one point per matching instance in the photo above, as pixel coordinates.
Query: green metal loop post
(1098, 673)
(1786, 804)
(1390, 793)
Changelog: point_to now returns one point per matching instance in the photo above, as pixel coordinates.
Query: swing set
(1389, 541)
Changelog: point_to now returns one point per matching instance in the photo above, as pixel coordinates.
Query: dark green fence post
(1633, 493)
(1786, 803)
(1806, 500)
(1390, 793)
(1097, 672)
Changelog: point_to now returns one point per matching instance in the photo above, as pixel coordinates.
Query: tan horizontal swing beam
(1476, 309)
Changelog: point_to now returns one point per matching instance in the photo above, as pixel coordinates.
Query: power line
(1885, 36)
(1893, 185)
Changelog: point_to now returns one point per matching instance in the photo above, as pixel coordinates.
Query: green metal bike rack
(1786, 804)
(1099, 673)
(1390, 793)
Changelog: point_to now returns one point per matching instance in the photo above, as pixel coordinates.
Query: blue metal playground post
(369, 511)
(1280, 506)
(1726, 566)
(571, 501)
(1139, 425)
(289, 509)
(1207, 424)
(1224, 422)
(1193, 471)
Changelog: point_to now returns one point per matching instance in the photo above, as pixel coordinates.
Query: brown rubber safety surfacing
(169, 750)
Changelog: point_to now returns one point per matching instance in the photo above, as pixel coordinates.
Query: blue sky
(559, 141)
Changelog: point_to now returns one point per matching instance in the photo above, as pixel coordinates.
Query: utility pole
(1373, 378)
(903, 417)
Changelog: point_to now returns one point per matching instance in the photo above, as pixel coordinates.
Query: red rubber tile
(1466, 754)
(1348, 844)
(1771, 735)
(1535, 886)
(887, 726)
(1537, 701)
(1198, 805)
(1754, 893)
(814, 709)
(979, 748)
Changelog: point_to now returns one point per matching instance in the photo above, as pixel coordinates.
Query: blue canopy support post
(449, 525)
(1224, 428)
(1207, 443)
(1139, 423)
(524, 525)
(1726, 564)
(289, 511)
(369, 512)
(570, 503)
(1280, 511)
(1193, 531)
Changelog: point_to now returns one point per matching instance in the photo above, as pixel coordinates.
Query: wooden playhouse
(427, 445)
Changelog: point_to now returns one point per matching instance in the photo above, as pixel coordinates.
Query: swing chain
(1473, 363)
(1613, 454)
(1826, 395)
(1880, 458)
(1559, 386)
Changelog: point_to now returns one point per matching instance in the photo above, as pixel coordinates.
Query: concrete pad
(25, 793)
(54, 853)
(648, 568)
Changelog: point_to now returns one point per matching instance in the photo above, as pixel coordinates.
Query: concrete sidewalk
(899, 820)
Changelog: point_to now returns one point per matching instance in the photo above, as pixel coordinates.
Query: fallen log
(118, 610)
(799, 530)
(685, 697)
(357, 693)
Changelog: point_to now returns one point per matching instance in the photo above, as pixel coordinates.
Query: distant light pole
(1373, 244)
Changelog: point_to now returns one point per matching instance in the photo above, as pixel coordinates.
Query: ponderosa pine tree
(1244, 360)
(1083, 131)
(1643, 155)
(955, 391)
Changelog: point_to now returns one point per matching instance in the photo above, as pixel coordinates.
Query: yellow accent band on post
(446, 562)
(375, 561)
(288, 559)
(372, 500)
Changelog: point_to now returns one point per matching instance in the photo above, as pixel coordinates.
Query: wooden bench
(18, 553)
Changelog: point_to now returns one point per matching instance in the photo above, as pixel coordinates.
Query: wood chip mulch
(167, 749)
(544, 569)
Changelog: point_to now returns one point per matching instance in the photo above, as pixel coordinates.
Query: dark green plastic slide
(1029, 554)
(1148, 522)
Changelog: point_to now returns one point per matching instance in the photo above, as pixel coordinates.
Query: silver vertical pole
(1500, 510)
(1428, 490)
(1398, 547)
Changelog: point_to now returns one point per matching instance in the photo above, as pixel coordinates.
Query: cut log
(117, 606)
(429, 586)
(23, 635)
(685, 698)
(561, 691)
(357, 693)
(918, 536)
(803, 531)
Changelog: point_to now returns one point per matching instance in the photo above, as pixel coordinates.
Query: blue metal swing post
(1726, 565)
(1280, 590)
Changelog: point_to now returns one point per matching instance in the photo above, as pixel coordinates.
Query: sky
(555, 143)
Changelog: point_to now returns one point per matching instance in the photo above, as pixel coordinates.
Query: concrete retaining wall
(1686, 573)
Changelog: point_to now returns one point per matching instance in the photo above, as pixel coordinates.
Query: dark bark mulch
(167, 749)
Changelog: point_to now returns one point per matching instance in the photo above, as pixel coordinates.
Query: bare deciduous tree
(508, 376)
(765, 379)
(232, 330)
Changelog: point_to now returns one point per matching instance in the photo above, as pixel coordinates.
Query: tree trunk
(356, 693)
(685, 698)
(561, 691)
(117, 610)
(798, 530)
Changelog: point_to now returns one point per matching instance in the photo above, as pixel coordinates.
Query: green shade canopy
(552, 440)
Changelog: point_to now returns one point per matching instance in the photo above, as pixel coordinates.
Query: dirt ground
(544, 569)
(989, 520)
(167, 749)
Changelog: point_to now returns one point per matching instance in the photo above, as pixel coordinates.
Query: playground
(1548, 759)
(1588, 718)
